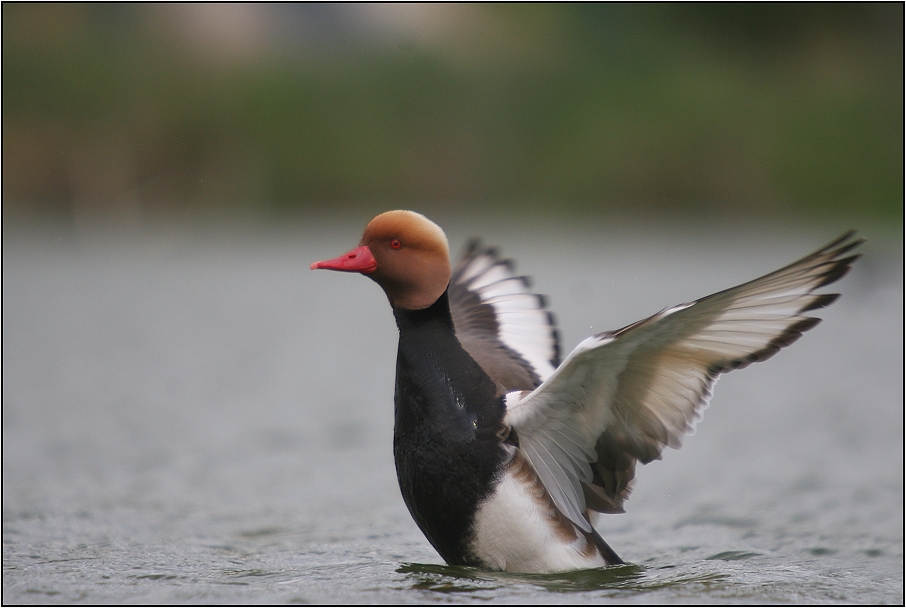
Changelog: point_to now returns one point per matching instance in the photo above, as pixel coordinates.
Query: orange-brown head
(405, 253)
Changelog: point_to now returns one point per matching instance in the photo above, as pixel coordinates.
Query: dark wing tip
(821, 301)
(527, 281)
(792, 333)
(838, 270)
(472, 250)
(555, 336)
(845, 241)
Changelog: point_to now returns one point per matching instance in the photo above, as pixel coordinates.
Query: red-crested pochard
(503, 452)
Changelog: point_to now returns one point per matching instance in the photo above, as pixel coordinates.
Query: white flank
(513, 533)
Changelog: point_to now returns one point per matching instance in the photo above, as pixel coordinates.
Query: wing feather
(505, 327)
(622, 396)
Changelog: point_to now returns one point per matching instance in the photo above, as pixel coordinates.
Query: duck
(506, 455)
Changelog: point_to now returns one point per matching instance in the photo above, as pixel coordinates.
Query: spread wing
(503, 325)
(621, 396)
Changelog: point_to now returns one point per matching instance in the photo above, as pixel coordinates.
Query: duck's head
(405, 253)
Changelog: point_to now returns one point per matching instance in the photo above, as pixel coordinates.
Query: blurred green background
(134, 114)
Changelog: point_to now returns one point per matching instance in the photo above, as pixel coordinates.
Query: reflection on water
(451, 579)
(203, 420)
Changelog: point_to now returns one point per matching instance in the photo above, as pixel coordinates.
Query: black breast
(447, 436)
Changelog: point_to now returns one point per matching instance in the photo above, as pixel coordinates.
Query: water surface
(201, 419)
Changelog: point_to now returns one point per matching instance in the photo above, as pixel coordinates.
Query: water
(201, 419)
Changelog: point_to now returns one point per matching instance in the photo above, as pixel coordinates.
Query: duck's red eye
(395, 244)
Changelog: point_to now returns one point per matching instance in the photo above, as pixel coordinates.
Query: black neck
(437, 313)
